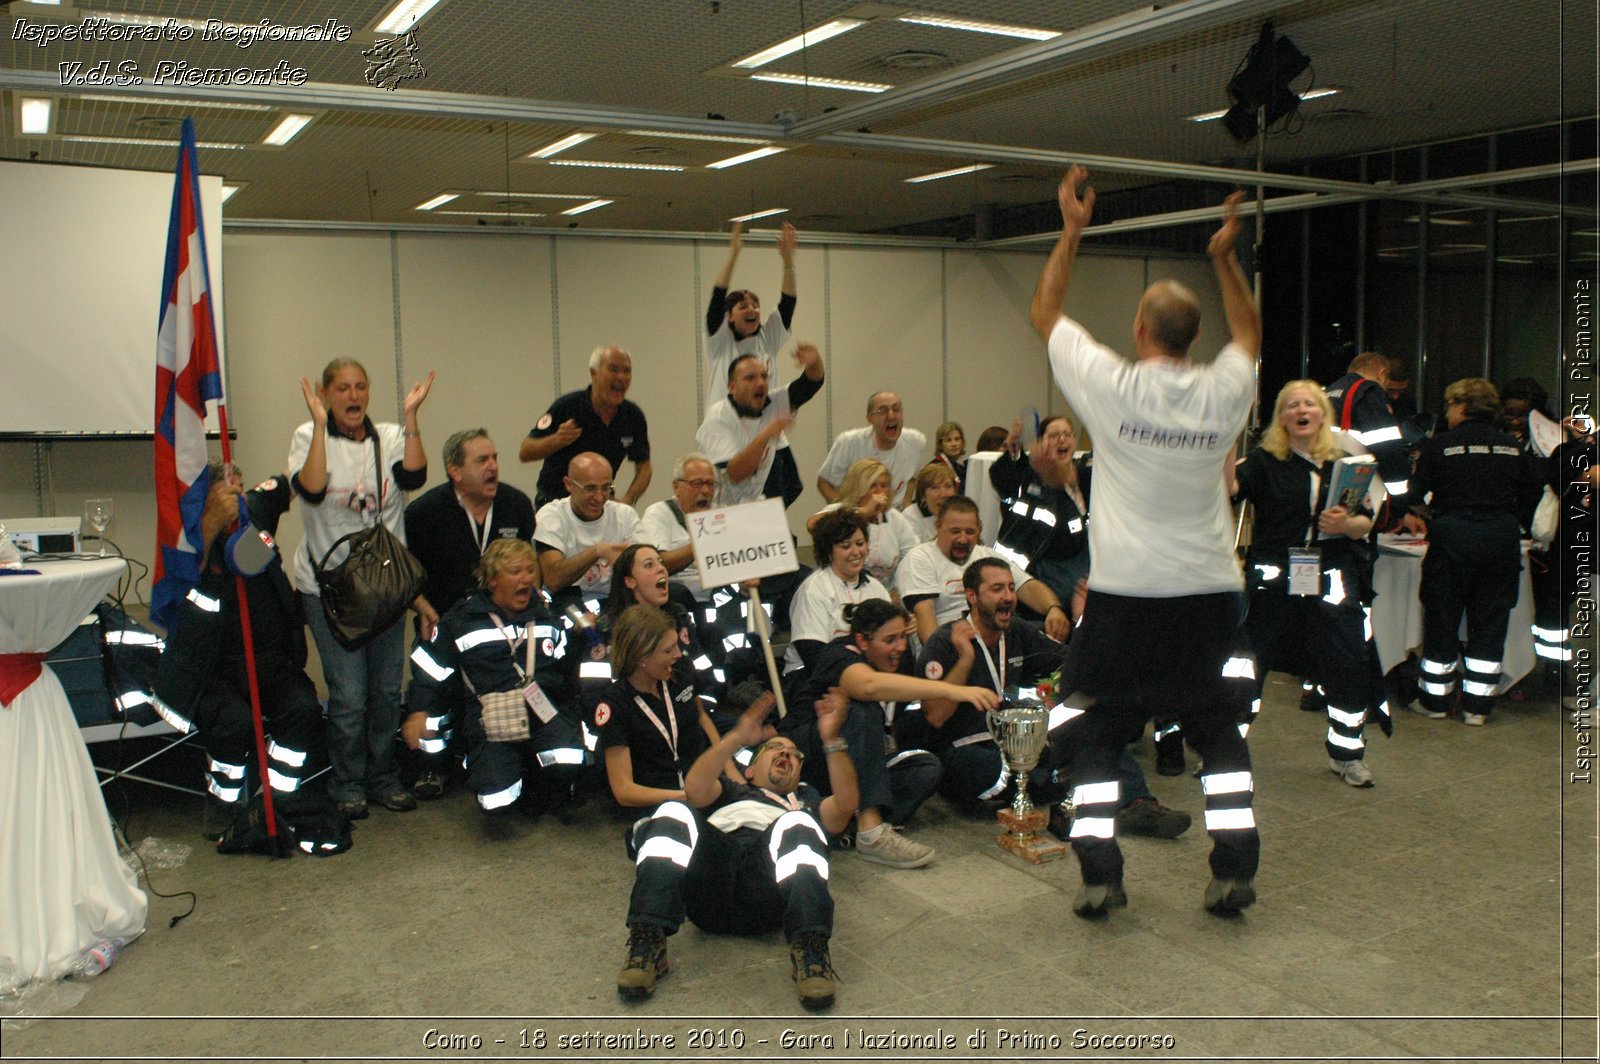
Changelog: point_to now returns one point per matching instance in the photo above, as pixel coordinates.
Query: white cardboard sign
(741, 542)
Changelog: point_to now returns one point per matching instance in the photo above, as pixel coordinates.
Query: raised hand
(417, 394)
(752, 727)
(736, 238)
(807, 355)
(786, 241)
(1075, 212)
(319, 413)
(831, 711)
(1222, 240)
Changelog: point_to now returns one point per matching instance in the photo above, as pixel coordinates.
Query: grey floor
(1447, 913)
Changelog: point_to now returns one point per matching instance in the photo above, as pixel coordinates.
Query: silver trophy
(1020, 731)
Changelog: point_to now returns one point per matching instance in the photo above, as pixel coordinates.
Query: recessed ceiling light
(760, 214)
(747, 157)
(555, 147)
(671, 134)
(36, 115)
(492, 213)
(794, 44)
(957, 172)
(404, 15)
(915, 59)
(1212, 116)
(149, 142)
(596, 163)
(973, 25)
(591, 205)
(823, 83)
(502, 193)
(437, 201)
(286, 130)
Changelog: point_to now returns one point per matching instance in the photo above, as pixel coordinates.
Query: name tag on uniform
(535, 697)
(1305, 571)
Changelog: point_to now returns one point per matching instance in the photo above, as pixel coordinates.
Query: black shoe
(219, 817)
(812, 969)
(1313, 700)
(355, 809)
(1169, 755)
(398, 800)
(1148, 817)
(1097, 899)
(647, 962)
(429, 786)
(1226, 897)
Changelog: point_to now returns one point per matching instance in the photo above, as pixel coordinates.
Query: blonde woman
(934, 484)
(865, 490)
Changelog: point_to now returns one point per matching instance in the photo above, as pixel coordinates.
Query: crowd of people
(564, 642)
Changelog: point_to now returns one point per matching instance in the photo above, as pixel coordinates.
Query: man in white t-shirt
(580, 536)
(884, 437)
(664, 525)
(1161, 627)
(929, 577)
(743, 433)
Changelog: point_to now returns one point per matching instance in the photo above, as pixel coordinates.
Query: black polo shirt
(448, 542)
(626, 437)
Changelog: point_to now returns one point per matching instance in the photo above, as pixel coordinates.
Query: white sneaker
(1355, 773)
(1475, 720)
(893, 849)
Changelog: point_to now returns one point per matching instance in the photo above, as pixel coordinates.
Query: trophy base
(1032, 848)
(1022, 838)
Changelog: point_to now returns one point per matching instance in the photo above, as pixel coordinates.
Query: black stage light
(1263, 82)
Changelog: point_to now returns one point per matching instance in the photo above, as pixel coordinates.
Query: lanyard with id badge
(532, 694)
(1305, 561)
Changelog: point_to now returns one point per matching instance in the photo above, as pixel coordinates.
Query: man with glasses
(884, 437)
(756, 864)
(665, 524)
(579, 537)
(598, 419)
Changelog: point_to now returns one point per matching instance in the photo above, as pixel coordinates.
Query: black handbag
(368, 591)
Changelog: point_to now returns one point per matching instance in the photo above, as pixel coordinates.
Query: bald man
(580, 536)
(1161, 627)
(885, 438)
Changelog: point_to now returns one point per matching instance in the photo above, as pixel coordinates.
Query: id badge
(535, 697)
(1305, 572)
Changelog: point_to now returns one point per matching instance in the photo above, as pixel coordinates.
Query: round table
(63, 885)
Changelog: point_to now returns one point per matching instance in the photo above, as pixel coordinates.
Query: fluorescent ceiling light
(664, 167)
(1434, 219)
(760, 214)
(286, 130)
(404, 15)
(437, 201)
(490, 213)
(672, 134)
(979, 26)
(823, 83)
(957, 172)
(1212, 116)
(502, 194)
(794, 44)
(1509, 219)
(555, 147)
(591, 205)
(148, 142)
(228, 191)
(174, 102)
(36, 115)
(747, 157)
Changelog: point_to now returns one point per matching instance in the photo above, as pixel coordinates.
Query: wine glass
(98, 512)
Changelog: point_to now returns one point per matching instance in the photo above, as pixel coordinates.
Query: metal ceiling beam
(327, 96)
(1137, 29)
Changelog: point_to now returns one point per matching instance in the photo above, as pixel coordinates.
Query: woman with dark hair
(1484, 490)
(650, 723)
(869, 664)
(992, 438)
(934, 484)
(351, 473)
(1318, 629)
(839, 547)
(498, 654)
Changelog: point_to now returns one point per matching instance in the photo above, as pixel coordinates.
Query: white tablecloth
(62, 885)
(1397, 613)
(981, 491)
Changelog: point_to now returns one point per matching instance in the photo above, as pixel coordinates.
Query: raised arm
(735, 243)
(700, 786)
(786, 242)
(837, 809)
(1244, 318)
(1051, 290)
(312, 476)
(743, 465)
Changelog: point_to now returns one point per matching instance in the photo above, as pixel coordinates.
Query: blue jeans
(363, 706)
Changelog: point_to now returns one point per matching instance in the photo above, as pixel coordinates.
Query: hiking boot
(1355, 773)
(893, 849)
(429, 786)
(219, 817)
(1225, 897)
(398, 800)
(1148, 817)
(354, 809)
(1169, 754)
(813, 970)
(1097, 899)
(647, 962)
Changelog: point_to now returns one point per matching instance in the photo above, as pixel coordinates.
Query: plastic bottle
(98, 957)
